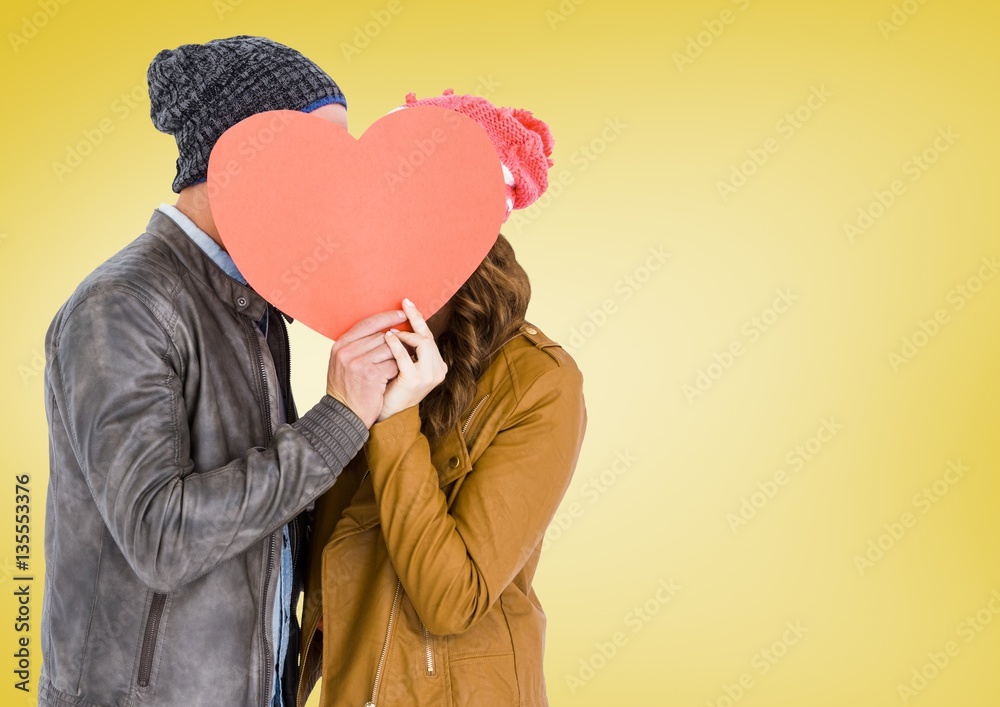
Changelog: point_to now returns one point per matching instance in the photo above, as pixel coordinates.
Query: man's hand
(416, 377)
(361, 364)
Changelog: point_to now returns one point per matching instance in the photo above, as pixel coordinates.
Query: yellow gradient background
(643, 139)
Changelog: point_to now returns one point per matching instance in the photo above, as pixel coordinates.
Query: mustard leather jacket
(422, 557)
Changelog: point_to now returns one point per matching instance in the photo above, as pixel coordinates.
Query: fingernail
(407, 302)
(402, 314)
(394, 330)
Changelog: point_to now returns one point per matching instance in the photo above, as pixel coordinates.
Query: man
(180, 473)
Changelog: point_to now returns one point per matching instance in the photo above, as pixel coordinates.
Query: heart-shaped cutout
(331, 229)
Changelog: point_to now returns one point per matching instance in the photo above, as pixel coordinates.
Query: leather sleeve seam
(166, 319)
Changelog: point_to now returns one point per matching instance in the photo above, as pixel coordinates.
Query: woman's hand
(418, 377)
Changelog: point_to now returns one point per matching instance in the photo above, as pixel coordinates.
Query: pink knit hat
(523, 142)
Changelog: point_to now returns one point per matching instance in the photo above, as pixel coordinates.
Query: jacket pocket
(489, 637)
(149, 638)
(488, 679)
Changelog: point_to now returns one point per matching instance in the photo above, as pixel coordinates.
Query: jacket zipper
(427, 638)
(428, 647)
(159, 600)
(249, 326)
(312, 634)
(385, 646)
(295, 538)
(305, 652)
(297, 530)
(472, 414)
(265, 408)
(268, 668)
(149, 638)
(289, 412)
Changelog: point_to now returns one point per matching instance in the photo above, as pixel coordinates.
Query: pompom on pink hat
(523, 142)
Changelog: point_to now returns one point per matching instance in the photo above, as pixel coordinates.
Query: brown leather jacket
(422, 558)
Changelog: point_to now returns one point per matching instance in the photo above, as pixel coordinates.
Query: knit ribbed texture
(334, 431)
(198, 91)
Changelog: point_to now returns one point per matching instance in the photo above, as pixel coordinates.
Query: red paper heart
(331, 229)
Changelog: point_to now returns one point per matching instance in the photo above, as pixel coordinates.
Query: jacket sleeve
(114, 375)
(454, 565)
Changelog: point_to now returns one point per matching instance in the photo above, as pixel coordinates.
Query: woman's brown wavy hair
(486, 312)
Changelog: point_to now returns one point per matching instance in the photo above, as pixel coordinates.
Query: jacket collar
(239, 297)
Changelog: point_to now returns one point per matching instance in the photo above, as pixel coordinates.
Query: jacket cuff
(334, 431)
(403, 426)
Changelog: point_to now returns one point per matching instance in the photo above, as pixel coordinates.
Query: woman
(418, 587)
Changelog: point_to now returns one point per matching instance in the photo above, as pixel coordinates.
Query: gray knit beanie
(198, 91)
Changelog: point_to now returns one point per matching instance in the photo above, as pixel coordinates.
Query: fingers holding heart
(417, 321)
(425, 365)
(419, 373)
(406, 363)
